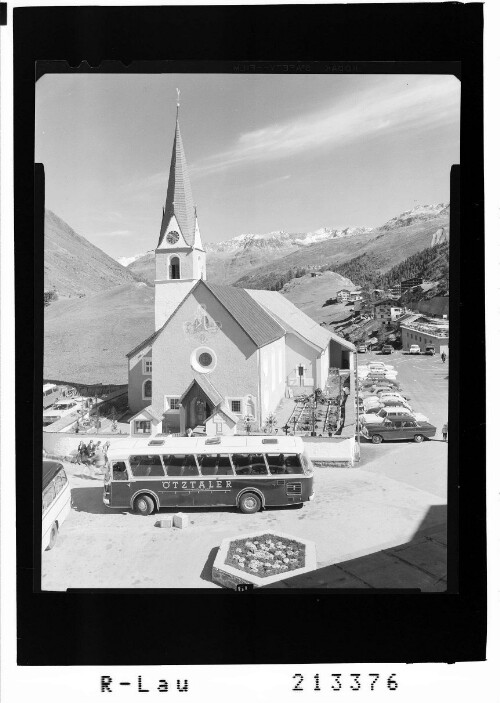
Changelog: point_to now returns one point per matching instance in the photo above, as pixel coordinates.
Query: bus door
(284, 490)
(179, 484)
(120, 486)
(217, 486)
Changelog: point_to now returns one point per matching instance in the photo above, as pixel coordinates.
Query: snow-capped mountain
(282, 239)
(420, 213)
(247, 257)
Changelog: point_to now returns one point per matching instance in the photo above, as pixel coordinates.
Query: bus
(249, 473)
(56, 501)
(51, 393)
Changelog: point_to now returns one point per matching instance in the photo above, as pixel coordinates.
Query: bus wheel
(250, 503)
(143, 505)
(418, 438)
(54, 531)
(376, 439)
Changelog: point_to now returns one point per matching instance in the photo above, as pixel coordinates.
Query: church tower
(179, 256)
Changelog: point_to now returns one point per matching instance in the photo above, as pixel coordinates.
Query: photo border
(206, 625)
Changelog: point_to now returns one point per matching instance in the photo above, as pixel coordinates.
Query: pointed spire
(179, 201)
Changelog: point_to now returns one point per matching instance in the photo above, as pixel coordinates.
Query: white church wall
(300, 353)
(272, 376)
(168, 296)
(235, 373)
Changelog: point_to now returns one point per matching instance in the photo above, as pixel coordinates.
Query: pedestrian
(90, 449)
(105, 448)
(445, 432)
(99, 459)
(80, 452)
(443, 357)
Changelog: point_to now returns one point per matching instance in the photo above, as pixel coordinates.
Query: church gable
(172, 237)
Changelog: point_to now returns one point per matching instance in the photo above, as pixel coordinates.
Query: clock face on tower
(172, 237)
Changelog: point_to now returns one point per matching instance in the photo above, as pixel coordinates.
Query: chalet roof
(260, 326)
(289, 315)
(179, 200)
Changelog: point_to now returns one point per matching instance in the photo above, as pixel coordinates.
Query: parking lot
(425, 380)
(383, 502)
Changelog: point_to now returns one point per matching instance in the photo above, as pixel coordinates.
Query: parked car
(398, 427)
(414, 349)
(430, 349)
(387, 349)
(388, 402)
(390, 390)
(60, 409)
(393, 413)
(362, 349)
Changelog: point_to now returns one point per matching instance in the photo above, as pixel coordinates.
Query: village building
(343, 295)
(426, 331)
(355, 295)
(219, 355)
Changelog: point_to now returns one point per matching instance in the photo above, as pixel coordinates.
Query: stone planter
(231, 576)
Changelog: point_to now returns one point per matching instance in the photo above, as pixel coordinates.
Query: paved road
(425, 380)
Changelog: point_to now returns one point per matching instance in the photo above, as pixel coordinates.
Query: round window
(205, 359)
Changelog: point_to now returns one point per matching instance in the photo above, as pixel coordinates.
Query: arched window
(147, 389)
(175, 268)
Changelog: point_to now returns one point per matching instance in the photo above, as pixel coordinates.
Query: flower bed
(266, 555)
(261, 560)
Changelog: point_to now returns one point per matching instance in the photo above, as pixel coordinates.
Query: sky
(265, 152)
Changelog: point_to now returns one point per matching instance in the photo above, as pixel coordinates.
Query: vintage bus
(56, 501)
(247, 472)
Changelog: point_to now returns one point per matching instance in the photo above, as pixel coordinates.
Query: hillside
(86, 339)
(73, 266)
(310, 293)
(381, 248)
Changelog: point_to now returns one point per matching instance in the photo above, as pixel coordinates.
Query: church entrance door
(196, 407)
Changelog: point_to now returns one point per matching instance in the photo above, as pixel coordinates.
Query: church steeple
(179, 203)
(180, 257)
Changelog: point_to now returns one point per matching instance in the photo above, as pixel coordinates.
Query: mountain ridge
(73, 266)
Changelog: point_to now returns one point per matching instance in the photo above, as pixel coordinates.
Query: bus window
(249, 464)
(215, 464)
(119, 471)
(180, 464)
(48, 495)
(284, 464)
(146, 465)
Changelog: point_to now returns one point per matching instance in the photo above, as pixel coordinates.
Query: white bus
(56, 501)
(245, 472)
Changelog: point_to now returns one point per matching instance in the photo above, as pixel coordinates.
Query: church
(219, 354)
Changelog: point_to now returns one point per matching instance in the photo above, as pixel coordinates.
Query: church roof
(259, 325)
(294, 319)
(179, 200)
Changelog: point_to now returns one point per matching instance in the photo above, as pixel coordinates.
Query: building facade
(425, 332)
(218, 354)
(343, 295)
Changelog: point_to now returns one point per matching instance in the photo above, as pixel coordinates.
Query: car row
(386, 412)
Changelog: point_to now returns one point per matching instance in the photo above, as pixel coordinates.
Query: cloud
(421, 103)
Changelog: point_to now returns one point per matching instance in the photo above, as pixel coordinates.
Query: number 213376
(337, 682)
